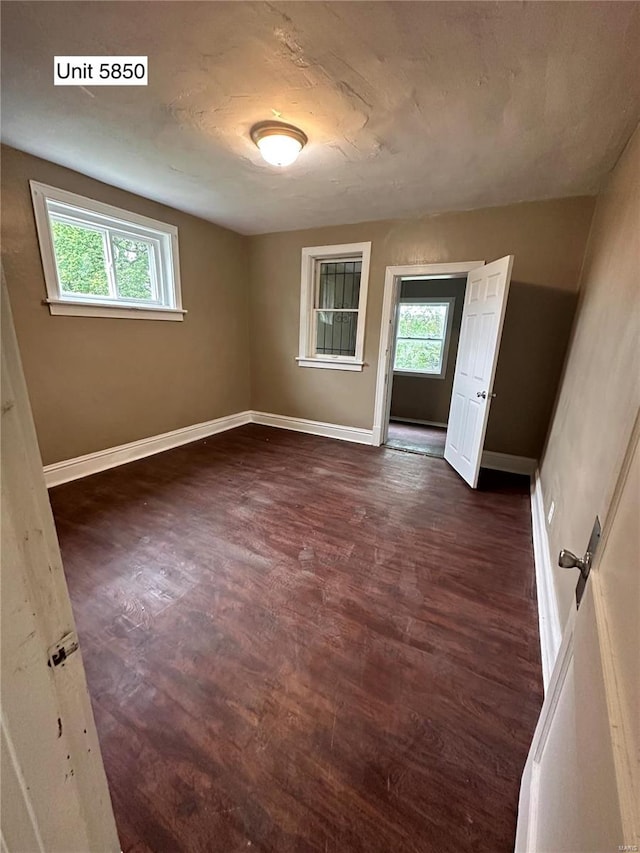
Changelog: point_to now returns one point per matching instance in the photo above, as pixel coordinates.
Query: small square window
(422, 336)
(332, 306)
(102, 261)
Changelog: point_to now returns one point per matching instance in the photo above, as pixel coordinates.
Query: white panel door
(581, 784)
(54, 790)
(485, 302)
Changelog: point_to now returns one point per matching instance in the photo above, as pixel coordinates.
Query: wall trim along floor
(509, 463)
(344, 433)
(418, 421)
(548, 615)
(91, 463)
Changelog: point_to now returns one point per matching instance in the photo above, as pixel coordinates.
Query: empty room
(320, 423)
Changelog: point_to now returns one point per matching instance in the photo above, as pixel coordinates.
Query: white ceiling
(410, 107)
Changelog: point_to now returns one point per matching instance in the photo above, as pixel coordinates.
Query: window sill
(418, 374)
(69, 308)
(330, 364)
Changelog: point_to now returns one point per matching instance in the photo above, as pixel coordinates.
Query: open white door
(54, 789)
(581, 785)
(485, 303)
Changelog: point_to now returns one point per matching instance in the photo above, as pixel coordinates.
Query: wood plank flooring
(299, 645)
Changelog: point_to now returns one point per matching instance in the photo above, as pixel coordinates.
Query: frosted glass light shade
(279, 143)
(279, 150)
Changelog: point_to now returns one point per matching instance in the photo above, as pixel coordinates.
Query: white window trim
(438, 300)
(310, 256)
(90, 306)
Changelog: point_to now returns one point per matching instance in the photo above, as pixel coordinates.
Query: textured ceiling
(410, 107)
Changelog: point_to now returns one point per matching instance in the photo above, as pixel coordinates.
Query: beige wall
(600, 391)
(98, 382)
(423, 397)
(548, 240)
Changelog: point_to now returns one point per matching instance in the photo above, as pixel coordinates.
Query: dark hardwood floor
(298, 644)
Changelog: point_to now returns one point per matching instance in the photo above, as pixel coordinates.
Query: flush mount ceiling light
(279, 143)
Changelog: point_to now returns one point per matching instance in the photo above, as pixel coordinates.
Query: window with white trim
(423, 331)
(102, 261)
(333, 303)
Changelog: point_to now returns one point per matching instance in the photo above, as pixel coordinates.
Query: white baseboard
(548, 614)
(91, 463)
(344, 433)
(507, 462)
(490, 459)
(417, 421)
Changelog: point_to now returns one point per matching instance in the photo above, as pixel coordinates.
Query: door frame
(384, 376)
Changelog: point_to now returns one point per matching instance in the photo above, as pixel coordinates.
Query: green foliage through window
(132, 262)
(82, 264)
(80, 259)
(420, 336)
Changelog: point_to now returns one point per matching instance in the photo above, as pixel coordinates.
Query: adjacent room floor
(417, 438)
(297, 644)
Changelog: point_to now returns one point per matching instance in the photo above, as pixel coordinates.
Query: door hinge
(60, 651)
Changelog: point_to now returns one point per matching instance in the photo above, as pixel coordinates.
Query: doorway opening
(427, 320)
(423, 306)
